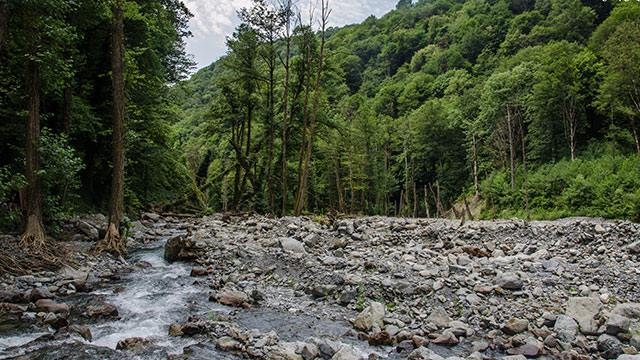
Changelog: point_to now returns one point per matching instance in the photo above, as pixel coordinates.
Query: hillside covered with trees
(529, 108)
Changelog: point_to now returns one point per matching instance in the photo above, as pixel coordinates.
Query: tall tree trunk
(339, 184)
(286, 8)
(426, 202)
(512, 152)
(526, 171)
(302, 189)
(113, 241)
(4, 21)
(636, 136)
(476, 182)
(272, 66)
(34, 236)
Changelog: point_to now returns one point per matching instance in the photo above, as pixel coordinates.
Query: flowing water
(149, 299)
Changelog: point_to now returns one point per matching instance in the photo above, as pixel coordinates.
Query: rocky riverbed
(300, 288)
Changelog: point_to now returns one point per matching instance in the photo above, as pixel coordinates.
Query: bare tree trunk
(113, 241)
(636, 137)
(4, 21)
(476, 182)
(352, 196)
(426, 202)
(34, 236)
(512, 155)
(415, 200)
(325, 13)
(285, 101)
(339, 185)
(526, 171)
(466, 207)
(272, 65)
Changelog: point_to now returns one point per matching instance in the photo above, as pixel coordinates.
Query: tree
(4, 21)
(620, 88)
(113, 240)
(325, 12)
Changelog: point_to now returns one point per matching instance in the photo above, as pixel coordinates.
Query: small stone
(346, 353)
(199, 271)
(439, 317)
(424, 353)
(515, 326)
(227, 343)
(566, 328)
(175, 330)
(233, 298)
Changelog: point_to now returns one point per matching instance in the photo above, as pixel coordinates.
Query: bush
(9, 205)
(60, 170)
(605, 185)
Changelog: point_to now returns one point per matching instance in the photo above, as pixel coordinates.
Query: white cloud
(215, 19)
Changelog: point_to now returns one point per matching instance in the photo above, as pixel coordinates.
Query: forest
(440, 108)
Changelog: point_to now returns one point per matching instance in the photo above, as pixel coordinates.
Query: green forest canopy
(523, 108)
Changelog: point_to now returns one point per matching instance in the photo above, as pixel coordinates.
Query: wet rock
(380, 338)
(424, 353)
(609, 346)
(199, 271)
(322, 291)
(179, 248)
(101, 311)
(40, 293)
(175, 330)
(81, 330)
(292, 245)
(56, 321)
(515, 326)
(48, 305)
(233, 298)
(227, 343)
(133, 344)
(370, 317)
(584, 310)
(346, 353)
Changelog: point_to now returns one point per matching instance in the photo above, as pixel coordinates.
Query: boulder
(566, 328)
(617, 324)
(101, 311)
(609, 346)
(88, 230)
(509, 281)
(584, 310)
(233, 298)
(346, 353)
(629, 310)
(133, 344)
(81, 330)
(179, 248)
(40, 293)
(48, 305)
(634, 248)
(227, 343)
(515, 326)
(370, 317)
(292, 245)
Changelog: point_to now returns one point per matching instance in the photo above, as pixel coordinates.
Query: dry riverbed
(366, 288)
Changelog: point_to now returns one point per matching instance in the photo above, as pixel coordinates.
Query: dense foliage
(418, 107)
(69, 43)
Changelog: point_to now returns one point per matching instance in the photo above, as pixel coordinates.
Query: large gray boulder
(584, 310)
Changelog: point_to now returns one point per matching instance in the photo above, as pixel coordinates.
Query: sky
(214, 20)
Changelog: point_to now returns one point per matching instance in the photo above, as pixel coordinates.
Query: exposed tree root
(112, 242)
(33, 237)
(32, 253)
